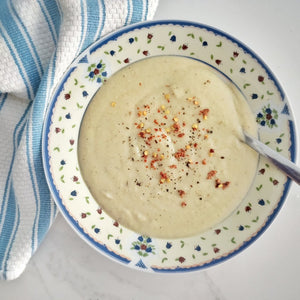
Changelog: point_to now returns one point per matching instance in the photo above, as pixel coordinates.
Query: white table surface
(65, 267)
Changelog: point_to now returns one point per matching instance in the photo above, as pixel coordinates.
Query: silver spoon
(285, 165)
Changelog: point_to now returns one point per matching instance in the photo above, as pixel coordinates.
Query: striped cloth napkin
(38, 40)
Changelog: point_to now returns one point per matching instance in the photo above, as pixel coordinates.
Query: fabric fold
(38, 41)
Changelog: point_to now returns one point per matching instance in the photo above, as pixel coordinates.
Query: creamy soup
(160, 147)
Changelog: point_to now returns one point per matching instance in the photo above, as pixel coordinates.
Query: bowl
(232, 59)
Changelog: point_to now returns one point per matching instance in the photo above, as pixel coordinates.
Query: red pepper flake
(164, 177)
(152, 166)
(183, 204)
(181, 193)
(183, 124)
(156, 122)
(195, 145)
(180, 153)
(165, 117)
(211, 174)
(142, 134)
(211, 152)
(225, 185)
(176, 127)
(140, 83)
(203, 161)
(180, 135)
(218, 183)
(158, 110)
(164, 136)
(204, 113)
(173, 167)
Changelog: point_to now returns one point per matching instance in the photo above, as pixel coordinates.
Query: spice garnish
(211, 174)
(180, 153)
(204, 113)
(181, 193)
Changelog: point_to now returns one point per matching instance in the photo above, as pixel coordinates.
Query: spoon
(285, 165)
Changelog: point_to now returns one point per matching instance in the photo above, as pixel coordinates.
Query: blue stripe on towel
(7, 215)
(55, 14)
(137, 11)
(14, 55)
(3, 100)
(92, 20)
(13, 209)
(38, 61)
(21, 47)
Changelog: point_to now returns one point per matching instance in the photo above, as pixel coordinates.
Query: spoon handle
(288, 167)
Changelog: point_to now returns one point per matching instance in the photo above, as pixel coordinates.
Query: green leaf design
(79, 106)
(200, 39)
(182, 244)
(258, 188)
(164, 259)
(256, 219)
(278, 149)
(56, 149)
(63, 107)
(120, 48)
(225, 228)
(109, 236)
(62, 178)
(193, 256)
(164, 251)
(162, 48)
(61, 167)
(75, 81)
(191, 35)
(204, 254)
(244, 61)
(246, 85)
(233, 240)
(219, 45)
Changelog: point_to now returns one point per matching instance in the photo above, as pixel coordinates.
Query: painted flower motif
(267, 117)
(168, 245)
(143, 246)
(96, 72)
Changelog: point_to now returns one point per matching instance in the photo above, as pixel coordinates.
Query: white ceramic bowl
(76, 89)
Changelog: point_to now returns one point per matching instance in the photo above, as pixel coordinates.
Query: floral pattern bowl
(76, 89)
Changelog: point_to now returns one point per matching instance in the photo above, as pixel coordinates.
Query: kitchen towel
(38, 40)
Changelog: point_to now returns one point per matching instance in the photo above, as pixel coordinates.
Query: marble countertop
(65, 267)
